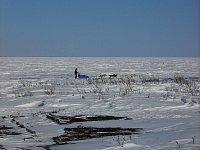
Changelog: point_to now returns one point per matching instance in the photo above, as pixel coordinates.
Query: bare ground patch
(84, 133)
(81, 118)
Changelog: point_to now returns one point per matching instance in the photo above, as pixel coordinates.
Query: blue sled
(83, 76)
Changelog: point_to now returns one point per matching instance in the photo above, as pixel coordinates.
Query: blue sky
(99, 28)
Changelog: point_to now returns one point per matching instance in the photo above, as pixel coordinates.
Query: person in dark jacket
(76, 73)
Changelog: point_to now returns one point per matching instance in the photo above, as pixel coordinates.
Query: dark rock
(3, 127)
(83, 133)
(30, 131)
(81, 118)
(7, 131)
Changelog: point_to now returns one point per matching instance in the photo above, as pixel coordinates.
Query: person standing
(76, 73)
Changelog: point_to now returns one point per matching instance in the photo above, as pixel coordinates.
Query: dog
(102, 75)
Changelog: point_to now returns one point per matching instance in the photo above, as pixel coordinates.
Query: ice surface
(169, 112)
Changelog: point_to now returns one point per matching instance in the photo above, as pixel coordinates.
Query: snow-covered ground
(160, 95)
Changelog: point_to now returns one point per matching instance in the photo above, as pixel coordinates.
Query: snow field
(144, 90)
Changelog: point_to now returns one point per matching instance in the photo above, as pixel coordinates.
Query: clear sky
(100, 28)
